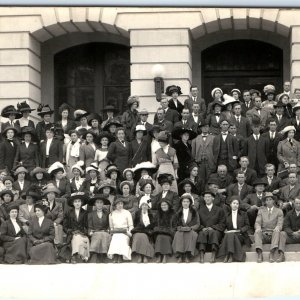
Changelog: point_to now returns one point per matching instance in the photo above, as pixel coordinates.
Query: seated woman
(163, 231)
(77, 181)
(91, 185)
(55, 212)
(186, 186)
(142, 231)
(75, 225)
(130, 201)
(8, 183)
(146, 189)
(41, 237)
(237, 225)
(107, 191)
(98, 229)
(39, 178)
(128, 176)
(7, 199)
(186, 222)
(120, 224)
(14, 238)
(113, 173)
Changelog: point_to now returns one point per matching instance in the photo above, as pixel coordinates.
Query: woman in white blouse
(14, 238)
(237, 224)
(120, 224)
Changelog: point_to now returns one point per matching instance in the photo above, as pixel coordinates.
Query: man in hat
(174, 91)
(250, 174)
(284, 175)
(195, 98)
(160, 120)
(268, 226)
(212, 226)
(143, 120)
(202, 152)
(185, 121)
(51, 149)
(258, 111)
(256, 147)
(45, 112)
(225, 148)
(254, 201)
(242, 124)
(213, 187)
(170, 114)
(247, 104)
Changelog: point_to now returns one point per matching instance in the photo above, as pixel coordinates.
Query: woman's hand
(129, 233)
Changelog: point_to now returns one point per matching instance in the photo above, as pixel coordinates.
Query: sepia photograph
(149, 152)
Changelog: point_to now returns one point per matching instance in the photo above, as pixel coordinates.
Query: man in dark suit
(258, 112)
(249, 173)
(281, 120)
(212, 226)
(45, 112)
(240, 188)
(195, 98)
(196, 116)
(222, 177)
(186, 122)
(296, 121)
(143, 116)
(274, 183)
(240, 139)
(242, 124)
(160, 120)
(247, 104)
(170, 114)
(51, 150)
(225, 148)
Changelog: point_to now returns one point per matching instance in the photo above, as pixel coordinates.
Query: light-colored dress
(103, 162)
(120, 241)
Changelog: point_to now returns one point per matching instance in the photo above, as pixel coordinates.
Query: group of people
(204, 176)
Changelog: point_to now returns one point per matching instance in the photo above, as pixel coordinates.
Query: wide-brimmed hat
(92, 200)
(56, 167)
(154, 128)
(28, 130)
(50, 188)
(9, 192)
(146, 165)
(10, 110)
(78, 167)
(30, 192)
(128, 183)
(38, 170)
(173, 88)
(179, 131)
(44, 109)
(127, 170)
(12, 206)
(187, 181)
(236, 90)
(7, 178)
(133, 99)
(80, 113)
(92, 167)
(104, 134)
(208, 192)
(110, 108)
(269, 89)
(112, 122)
(260, 181)
(187, 196)
(144, 181)
(91, 132)
(20, 169)
(214, 90)
(111, 168)
(23, 106)
(288, 128)
(253, 91)
(93, 116)
(213, 181)
(216, 102)
(41, 206)
(4, 131)
(145, 200)
(279, 104)
(140, 128)
(229, 100)
(118, 200)
(143, 111)
(78, 195)
(268, 195)
(164, 177)
(163, 136)
(104, 184)
(297, 106)
(280, 96)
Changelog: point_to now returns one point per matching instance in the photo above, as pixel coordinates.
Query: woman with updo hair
(130, 116)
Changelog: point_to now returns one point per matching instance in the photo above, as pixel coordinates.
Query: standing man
(186, 122)
(196, 116)
(194, 98)
(169, 113)
(258, 111)
(242, 124)
(161, 121)
(247, 104)
(143, 120)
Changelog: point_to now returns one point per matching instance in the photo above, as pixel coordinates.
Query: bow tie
(72, 143)
(217, 114)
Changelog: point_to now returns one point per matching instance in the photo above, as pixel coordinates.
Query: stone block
(240, 24)
(93, 13)
(69, 27)
(288, 17)
(78, 14)
(295, 34)
(42, 35)
(270, 14)
(56, 30)
(19, 90)
(295, 51)
(295, 69)
(63, 14)
(20, 23)
(84, 27)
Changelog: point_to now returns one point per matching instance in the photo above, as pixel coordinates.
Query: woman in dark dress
(186, 186)
(130, 116)
(142, 232)
(164, 231)
(237, 224)
(41, 237)
(39, 178)
(25, 110)
(14, 238)
(186, 222)
(65, 123)
(195, 179)
(7, 197)
(94, 120)
(98, 229)
(130, 201)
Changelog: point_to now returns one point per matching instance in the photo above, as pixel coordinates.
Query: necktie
(194, 98)
(238, 120)
(291, 142)
(279, 118)
(269, 214)
(272, 135)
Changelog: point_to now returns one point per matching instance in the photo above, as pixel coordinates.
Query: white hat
(229, 100)
(145, 199)
(288, 128)
(214, 90)
(140, 128)
(92, 167)
(235, 90)
(297, 106)
(56, 166)
(76, 166)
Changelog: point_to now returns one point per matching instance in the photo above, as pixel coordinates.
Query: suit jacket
(7, 154)
(233, 190)
(86, 154)
(16, 186)
(45, 232)
(164, 125)
(284, 121)
(251, 175)
(257, 152)
(40, 130)
(190, 124)
(214, 125)
(291, 222)
(288, 153)
(64, 187)
(188, 103)
(56, 214)
(55, 152)
(171, 115)
(179, 107)
(252, 199)
(8, 232)
(273, 145)
(245, 108)
(28, 157)
(120, 155)
(264, 115)
(232, 147)
(286, 195)
(203, 150)
(198, 122)
(275, 184)
(25, 215)
(86, 185)
(264, 221)
(243, 127)
(171, 196)
(214, 218)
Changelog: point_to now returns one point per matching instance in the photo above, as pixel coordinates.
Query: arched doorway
(241, 64)
(89, 76)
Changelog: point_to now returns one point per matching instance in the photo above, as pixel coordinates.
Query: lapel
(189, 218)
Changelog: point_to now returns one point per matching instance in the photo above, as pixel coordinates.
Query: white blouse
(16, 225)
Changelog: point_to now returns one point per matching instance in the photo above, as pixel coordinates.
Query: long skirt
(15, 251)
(185, 242)
(42, 254)
(80, 246)
(141, 245)
(100, 242)
(168, 168)
(163, 244)
(58, 234)
(119, 245)
(232, 243)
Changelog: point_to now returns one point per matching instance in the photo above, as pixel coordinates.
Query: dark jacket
(193, 220)
(184, 156)
(8, 233)
(97, 224)
(233, 190)
(70, 126)
(251, 175)
(55, 152)
(56, 214)
(16, 186)
(40, 130)
(64, 187)
(171, 115)
(28, 157)
(179, 107)
(171, 196)
(164, 223)
(214, 218)
(140, 152)
(7, 154)
(45, 232)
(139, 226)
(291, 222)
(243, 127)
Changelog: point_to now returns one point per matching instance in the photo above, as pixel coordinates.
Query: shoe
(93, 258)
(230, 258)
(226, 258)
(158, 260)
(259, 257)
(120, 259)
(201, 257)
(145, 260)
(281, 257)
(213, 257)
(100, 258)
(187, 259)
(140, 259)
(271, 257)
(115, 259)
(164, 260)
(73, 260)
(179, 259)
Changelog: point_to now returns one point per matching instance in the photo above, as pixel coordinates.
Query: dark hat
(111, 168)
(154, 128)
(64, 106)
(187, 196)
(4, 192)
(133, 99)
(112, 122)
(98, 197)
(278, 104)
(253, 91)
(93, 116)
(208, 192)
(163, 136)
(216, 102)
(187, 181)
(23, 106)
(9, 128)
(143, 182)
(31, 192)
(27, 129)
(42, 207)
(173, 88)
(11, 207)
(7, 178)
(234, 197)
(37, 170)
(106, 183)
(50, 127)
(110, 108)
(91, 132)
(82, 131)
(10, 110)
(164, 177)
(259, 181)
(79, 195)
(165, 200)
(104, 134)
(44, 109)
(126, 182)
(212, 181)
(118, 200)
(80, 113)
(256, 121)
(178, 132)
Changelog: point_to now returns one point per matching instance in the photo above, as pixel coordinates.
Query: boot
(271, 256)
(230, 258)
(226, 258)
(213, 257)
(180, 258)
(100, 258)
(159, 258)
(259, 256)
(281, 257)
(73, 259)
(116, 258)
(145, 259)
(187, 258)
(93, 258)
(120, 259)
(164, 260)
(140, 259)
(201, 256)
